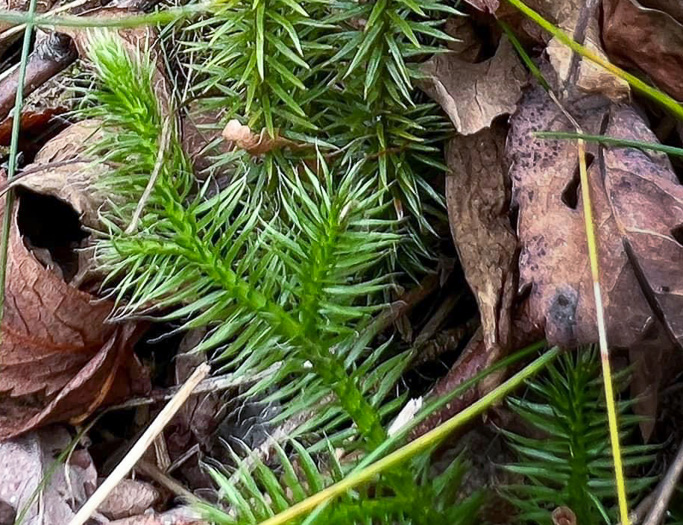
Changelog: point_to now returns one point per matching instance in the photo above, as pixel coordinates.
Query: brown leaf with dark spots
(647, 201)
(59, 357)
(473, 95)
(553, 264)
(647, 36)
(637, 205)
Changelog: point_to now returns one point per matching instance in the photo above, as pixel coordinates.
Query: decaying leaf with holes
(59, 357)
(646, 199)
(554, 267)
(638, 212)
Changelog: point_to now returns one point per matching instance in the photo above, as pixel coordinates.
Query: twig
(135, 453)
(665, 490)
(51, 56)
(163, 479)
(163, 148)
(442, 313)
(5, 35)
(211, 384)
(404, 304)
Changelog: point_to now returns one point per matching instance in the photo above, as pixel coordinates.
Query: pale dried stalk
(163, 147)
(665, 490)
(135, 453)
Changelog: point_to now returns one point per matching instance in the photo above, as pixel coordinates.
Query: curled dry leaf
(129, 498)
(26, 461)
(637, 208)
(60, 169)
(241, 137)
(59, 357)
(647, 35)
(473, 95)
(564, 516)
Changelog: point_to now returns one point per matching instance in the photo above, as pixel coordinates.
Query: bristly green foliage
(337, 75)
(274, 292)
(285, 293)
(571, 465)
(256, 491)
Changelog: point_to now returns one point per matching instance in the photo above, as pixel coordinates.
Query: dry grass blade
(141, 446)
(14, 150)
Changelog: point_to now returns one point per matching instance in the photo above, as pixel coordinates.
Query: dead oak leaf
(473, 95)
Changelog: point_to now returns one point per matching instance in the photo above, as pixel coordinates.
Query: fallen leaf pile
(531, 275)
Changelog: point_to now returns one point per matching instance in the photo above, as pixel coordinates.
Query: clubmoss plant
(285, 294)
(571, 465)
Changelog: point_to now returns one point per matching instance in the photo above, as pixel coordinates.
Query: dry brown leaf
(26, 461)
(487, 6)
(473, 95)
(649, 38)
(477, 199)
(564, 516)
(59, 357)
(591, 78)
(554, 267)
(60, 169)
(240, 136)
(129, 498)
